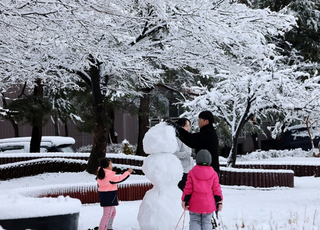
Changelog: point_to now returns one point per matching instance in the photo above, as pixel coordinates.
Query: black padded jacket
(205, 139)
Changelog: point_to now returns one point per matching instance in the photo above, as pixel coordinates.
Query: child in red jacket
(202, 192)
(108, 191)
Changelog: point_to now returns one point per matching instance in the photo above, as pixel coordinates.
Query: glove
(219, 206)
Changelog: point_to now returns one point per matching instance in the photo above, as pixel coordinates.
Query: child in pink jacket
(202, 192)
(108, 191)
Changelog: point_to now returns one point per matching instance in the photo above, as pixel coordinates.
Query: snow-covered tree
(117, 47)
(304, 37)
(254, 79)
(238, 99)
(56, 42)
(304, 114)
(25, 47)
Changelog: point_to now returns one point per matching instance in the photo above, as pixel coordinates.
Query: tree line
(80, 61)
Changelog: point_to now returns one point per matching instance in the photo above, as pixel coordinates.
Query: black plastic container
(60, 222)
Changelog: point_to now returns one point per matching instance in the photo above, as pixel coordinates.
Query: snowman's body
(161, 208)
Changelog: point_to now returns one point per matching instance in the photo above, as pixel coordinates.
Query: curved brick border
(39, 166)
(13, 158)
(116, 158)
(257, 178)
(299, 168)
(89, 194)
(47, 165)
(229, 176)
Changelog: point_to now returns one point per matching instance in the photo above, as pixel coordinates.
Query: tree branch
(84, 76)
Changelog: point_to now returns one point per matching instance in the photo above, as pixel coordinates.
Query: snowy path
(261, 208)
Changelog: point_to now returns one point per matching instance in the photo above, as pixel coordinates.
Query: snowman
(161, 208)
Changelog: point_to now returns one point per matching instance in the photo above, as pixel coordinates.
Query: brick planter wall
(15, 157)
(18, 165)
(89, 194)
(116, 158)
(260, 176)
(39, 166)
(256, 178)
(299, 168)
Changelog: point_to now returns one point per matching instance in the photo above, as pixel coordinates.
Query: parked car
(297, 137)
(48, 144)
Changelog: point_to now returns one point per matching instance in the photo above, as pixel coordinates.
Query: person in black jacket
(205, 139)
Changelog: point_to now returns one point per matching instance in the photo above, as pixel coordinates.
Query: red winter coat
(202, 190)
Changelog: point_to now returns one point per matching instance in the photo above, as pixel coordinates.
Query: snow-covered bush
(84, 149)
(258, 155)
(128, 149)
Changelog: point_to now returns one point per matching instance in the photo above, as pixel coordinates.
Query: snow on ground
(244, 207)
(260, 209)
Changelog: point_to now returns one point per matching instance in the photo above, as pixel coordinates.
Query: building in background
(126, 127)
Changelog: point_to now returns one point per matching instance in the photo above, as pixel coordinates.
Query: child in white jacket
(184, 153)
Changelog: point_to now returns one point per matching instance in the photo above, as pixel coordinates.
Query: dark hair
(207, 115)
(104, 163)
(182, 121)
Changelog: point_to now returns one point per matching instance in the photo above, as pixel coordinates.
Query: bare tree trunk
(15, 128)
(255, 141)
(100, 136)
(112, 134)
(234, 148)
(37, 122)
(56, 126)
(143, 121)
(233, 152)
(311, 139)
(12, 121)
(66, 130)
(36, 136)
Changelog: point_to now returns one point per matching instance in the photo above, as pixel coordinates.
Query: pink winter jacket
(202, 190)
(110, 176)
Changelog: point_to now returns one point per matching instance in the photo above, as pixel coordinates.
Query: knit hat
(207, 115)
(203, 157)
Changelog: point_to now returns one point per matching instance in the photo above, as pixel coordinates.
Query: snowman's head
(160, 138)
